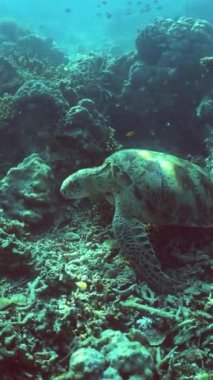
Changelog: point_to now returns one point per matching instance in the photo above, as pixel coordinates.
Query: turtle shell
(162, 188)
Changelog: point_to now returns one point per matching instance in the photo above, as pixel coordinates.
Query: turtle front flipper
(139, 252)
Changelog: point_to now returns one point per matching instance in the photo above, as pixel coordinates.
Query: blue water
(82, 25)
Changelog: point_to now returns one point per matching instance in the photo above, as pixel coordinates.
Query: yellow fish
(130, 134)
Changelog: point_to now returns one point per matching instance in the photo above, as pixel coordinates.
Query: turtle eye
(68, 188)
(71, 189)
(74, 188)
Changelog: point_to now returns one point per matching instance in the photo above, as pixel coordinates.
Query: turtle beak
(63, 190)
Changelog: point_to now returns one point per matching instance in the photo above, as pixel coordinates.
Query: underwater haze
(95, 24)
(106, 189)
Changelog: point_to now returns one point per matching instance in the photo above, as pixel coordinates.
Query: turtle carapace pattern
(147, 187)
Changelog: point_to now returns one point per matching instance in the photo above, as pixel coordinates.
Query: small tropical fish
(130, 133)
(82, 285)
(108, 15)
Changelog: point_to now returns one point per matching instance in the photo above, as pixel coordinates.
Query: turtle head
(90, 182)
(77, 185)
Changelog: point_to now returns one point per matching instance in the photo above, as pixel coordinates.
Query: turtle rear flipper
(139, 252)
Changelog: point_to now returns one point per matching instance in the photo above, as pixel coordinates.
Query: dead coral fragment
(134, 303)
(18, 299)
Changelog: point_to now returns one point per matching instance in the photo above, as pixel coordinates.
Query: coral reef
(160, 84)
(16, 40)
(10, 79)
(110, 326)
(85, 127)
(26, 191)
(207, 63)
(114, 353)
(37, 106)
(34, 92)
(171, 41)
(70, 306)
(6, 110)
(14, 253)
(156, 99)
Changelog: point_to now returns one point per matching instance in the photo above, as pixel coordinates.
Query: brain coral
(26, 190)
(170, 42)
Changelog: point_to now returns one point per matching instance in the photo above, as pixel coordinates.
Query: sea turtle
(149, 187)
